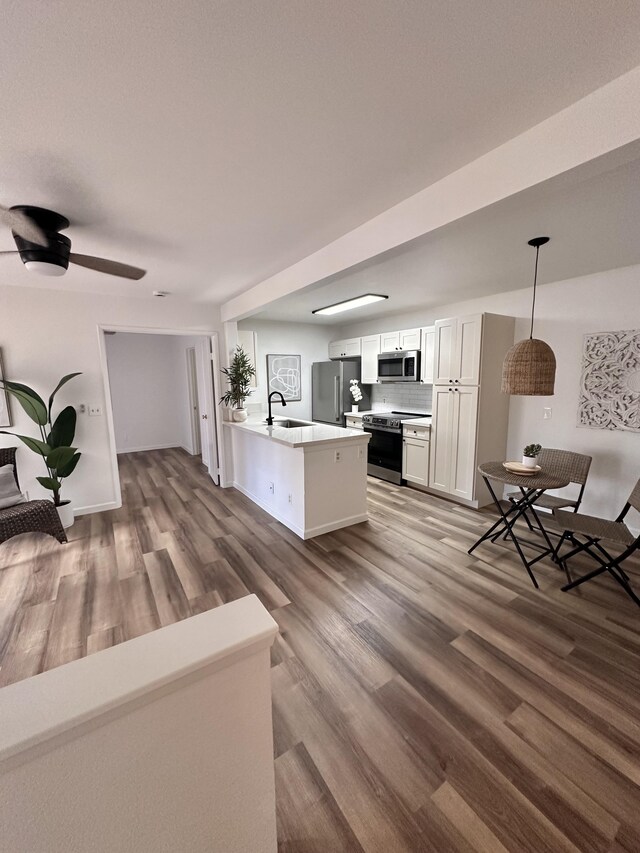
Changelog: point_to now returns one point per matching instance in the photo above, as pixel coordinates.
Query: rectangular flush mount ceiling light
(348, 304)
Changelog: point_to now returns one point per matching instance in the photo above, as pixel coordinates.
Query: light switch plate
(546, 413)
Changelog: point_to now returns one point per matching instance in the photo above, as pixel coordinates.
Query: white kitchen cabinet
(370, 349)
(415, 460)
(408, 339)
(457, 347)
(347, 348)
(453, 441)
(389, 341)
(428, 351)
(354, 422)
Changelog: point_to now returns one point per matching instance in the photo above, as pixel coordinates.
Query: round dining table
(531, 487)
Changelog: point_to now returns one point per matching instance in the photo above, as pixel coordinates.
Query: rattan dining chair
(574, 465)
(30, 517)
(593, 531)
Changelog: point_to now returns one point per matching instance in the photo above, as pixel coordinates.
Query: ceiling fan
(44, 250)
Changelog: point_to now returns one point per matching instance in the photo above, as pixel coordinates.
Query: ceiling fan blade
(22, 225)
(108, 267)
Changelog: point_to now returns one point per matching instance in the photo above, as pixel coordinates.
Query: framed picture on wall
(283, 374)
(5, 411)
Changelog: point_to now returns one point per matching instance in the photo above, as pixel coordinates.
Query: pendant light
(529, 367)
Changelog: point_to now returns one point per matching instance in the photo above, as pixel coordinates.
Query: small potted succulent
(530, 455)
(356, 393)
(239, 375)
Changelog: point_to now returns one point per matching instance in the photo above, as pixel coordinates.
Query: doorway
(160, 394)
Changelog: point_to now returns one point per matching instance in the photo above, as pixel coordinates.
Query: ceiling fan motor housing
(56, 252)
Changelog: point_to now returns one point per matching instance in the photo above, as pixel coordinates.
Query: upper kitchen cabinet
(348, 348)
(369, 368)
(409, 339)
(457, 348)
(428, 352)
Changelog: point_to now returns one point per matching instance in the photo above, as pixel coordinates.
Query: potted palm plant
(530, 455)
(239, 375)
(55, 442)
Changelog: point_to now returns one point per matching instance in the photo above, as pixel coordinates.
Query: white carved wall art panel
(610, 381)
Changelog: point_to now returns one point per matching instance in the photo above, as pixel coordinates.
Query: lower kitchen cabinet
(415, 460)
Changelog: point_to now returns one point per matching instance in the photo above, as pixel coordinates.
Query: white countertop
(303, 436)
(425, 420)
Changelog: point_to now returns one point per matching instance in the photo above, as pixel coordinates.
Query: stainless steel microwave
(399, 366)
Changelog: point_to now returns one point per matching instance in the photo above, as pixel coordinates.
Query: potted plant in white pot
(55, 442)
(239, 375)
(356, 393)
(530, 455)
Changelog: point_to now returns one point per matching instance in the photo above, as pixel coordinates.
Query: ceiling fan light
(45, 268)
(529, 369)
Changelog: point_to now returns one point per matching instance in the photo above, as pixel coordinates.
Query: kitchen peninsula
(310, 477)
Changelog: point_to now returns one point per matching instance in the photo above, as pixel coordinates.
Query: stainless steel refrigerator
(331, 397)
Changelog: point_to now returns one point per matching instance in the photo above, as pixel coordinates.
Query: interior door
(442, 425)
(208, 363)
(445, 355)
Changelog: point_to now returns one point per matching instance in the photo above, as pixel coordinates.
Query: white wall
(45, 334)
(565, 312)
(160, 744)
(149, 393)
(310, 342)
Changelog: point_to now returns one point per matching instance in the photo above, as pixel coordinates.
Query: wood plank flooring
(424, 700)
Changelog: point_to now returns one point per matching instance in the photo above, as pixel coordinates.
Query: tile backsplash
(401, 397)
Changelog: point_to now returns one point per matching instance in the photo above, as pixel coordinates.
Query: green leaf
(49, 483)
(64, 429)
(62, 382)
(32, 443)
(59, 457)
(31, 402)
(68, 469)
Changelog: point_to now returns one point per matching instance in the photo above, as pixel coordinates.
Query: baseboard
(269, 510)
(172, 445)
(87, 510)
(334, 525)
(303, 533)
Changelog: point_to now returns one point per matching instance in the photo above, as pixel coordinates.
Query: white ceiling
(215, 143)
(591, 215)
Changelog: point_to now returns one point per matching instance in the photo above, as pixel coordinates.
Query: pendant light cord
(533, 303)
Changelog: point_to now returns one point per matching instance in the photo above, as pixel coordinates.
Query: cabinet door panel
(369, 366)
(445, 351)
(409, 339)
(415, 461)
(469, 341)
(428, 352)
(442, 424)
(463, 455)
(351, 347)
(389, 341)
(335, 349)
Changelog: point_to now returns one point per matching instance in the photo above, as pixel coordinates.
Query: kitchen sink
(291, 424)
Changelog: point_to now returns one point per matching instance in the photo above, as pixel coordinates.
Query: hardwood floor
(424, 700)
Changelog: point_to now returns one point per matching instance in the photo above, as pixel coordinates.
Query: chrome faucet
(282, 400)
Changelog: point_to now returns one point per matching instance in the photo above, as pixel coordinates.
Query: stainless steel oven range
(384, 454)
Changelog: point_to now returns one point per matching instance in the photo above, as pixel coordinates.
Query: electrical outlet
(95, 411)
(272, 489)
(337, 456)
(360, 452)
(290, 498)
(546, 413)
(82, 409)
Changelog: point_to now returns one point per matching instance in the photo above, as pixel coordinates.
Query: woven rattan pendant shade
(529, 368)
